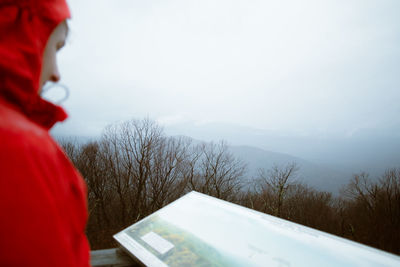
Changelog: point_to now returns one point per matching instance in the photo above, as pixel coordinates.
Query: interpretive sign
(199, 230)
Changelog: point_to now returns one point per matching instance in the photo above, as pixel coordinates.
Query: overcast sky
(308, 67)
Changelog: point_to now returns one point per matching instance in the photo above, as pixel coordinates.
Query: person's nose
(55, 75)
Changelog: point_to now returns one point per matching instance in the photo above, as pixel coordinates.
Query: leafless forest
(135, 169)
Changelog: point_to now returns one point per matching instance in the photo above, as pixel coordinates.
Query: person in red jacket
(42, 196)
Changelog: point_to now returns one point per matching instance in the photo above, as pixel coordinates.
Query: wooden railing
(111, 258)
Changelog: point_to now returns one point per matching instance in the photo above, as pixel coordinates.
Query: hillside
(315, 175)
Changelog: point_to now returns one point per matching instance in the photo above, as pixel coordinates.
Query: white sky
(298, 66)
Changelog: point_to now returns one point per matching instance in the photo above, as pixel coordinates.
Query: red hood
(25, 26)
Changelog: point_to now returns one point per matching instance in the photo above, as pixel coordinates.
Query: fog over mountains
(315, 175)
(326, 162)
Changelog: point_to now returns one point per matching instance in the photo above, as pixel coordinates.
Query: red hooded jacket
(42, 196)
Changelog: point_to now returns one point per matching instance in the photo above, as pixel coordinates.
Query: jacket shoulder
(14, 124)
(27, 145)
(42, 194)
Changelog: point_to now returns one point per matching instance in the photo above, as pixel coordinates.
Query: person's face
(55, 42)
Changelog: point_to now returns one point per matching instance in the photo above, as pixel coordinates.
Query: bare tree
(167, 181)
(273, 186)
(130, 149)
(373, 209)
(215, 171)
(70, 148)
(145, 166)
(307, 206)
(92, 168)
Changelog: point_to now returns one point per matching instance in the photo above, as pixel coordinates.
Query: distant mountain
(371, 150)
(315, 175)
(326, 164)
